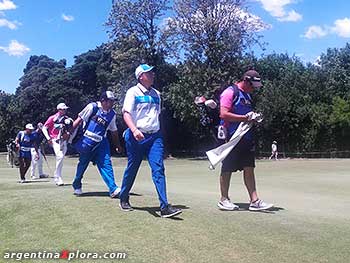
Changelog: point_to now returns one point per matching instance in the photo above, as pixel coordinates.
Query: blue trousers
(151, 147)
(101, 156)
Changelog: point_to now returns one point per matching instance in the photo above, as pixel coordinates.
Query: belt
(148, 132)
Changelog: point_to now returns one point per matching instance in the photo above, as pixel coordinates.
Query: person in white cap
(52, 130)
(38, 163)
(92, 144)
(235, 109)
(141, 109)
(25, 141)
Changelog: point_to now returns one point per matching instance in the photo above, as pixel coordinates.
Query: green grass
(309, 224)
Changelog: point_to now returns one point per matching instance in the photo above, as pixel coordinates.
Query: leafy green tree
(8, 126)
(335, 64)
(213, 37)
(138, 22)
(44, 84)
(339, 121)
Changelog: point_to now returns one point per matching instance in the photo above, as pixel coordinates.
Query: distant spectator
(274, 152)
(38, 137)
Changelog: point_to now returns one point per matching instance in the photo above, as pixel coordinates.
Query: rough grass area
(310, 221)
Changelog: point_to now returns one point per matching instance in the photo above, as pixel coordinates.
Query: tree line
(205, 44)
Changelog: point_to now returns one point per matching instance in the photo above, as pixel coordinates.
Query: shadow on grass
(87, 194)
(245, 207)
(64, 185)
(34, 181)
(155, 210)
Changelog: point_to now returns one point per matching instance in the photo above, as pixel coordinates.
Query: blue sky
(65, 28)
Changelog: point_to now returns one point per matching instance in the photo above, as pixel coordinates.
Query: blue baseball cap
(142, 69)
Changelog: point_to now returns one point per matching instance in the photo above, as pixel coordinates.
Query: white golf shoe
(227, 205)
(78, 192)
(59, 181)
(259, 205)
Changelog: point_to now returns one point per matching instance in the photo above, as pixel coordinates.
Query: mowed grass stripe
(310, 223)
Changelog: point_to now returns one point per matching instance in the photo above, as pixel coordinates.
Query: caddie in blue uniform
(25, 141)
(97, 118)
(141, 109)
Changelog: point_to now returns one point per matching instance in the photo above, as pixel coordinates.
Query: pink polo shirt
(226, 98)
(49, 124)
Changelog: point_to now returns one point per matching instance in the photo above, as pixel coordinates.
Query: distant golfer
(141, 109)
(25, 141)
(93, 146)
(274, 152)
(38, 163)
(242, 157)
(53, 132)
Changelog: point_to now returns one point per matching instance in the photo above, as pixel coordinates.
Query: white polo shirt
(144, 107)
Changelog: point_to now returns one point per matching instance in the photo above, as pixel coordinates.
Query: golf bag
(12, 154)
(209, 111)
(64, 124)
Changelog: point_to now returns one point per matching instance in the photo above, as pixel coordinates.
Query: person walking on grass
(97, 118)
(274, 152)
(233, 111)
(25, 141)
(38, 163)
(141, 109)
(52, 130)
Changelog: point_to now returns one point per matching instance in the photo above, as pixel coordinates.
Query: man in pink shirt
(235, 107)
(53, 132)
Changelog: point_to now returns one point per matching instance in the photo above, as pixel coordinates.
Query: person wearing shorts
(233, 111)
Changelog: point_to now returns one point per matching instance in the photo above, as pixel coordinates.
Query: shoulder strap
(94, 109)
(93, 113)
(235, 93)
(21, 133)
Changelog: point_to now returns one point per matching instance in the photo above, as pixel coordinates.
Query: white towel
(218, 154)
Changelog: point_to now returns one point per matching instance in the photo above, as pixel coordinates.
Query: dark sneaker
(170, 211)
(125, 206)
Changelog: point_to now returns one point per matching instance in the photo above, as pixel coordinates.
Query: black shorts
(243, 155)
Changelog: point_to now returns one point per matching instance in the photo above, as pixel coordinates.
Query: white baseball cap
(62, 106)
(107, 95)
(142, 69)
(29, 126)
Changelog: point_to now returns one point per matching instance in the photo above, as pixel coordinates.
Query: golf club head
(199, 100)
(211, 104)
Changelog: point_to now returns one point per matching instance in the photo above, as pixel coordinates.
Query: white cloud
(67, 18)
(342, 27)
(15, 49)
(277, 8)
(10, 24)
(7, 5)
(291, 17)
(315, 32)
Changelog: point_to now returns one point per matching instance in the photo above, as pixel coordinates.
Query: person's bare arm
(138, 135)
